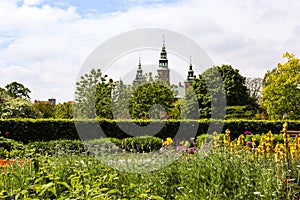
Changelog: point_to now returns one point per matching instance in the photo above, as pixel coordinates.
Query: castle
(163, 73)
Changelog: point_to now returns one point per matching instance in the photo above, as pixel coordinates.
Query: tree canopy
(219, 85)
(93, 95)
(281, 89)
(16, 89)
(152, 99)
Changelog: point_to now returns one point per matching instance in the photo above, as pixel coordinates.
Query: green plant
(10, 148)
(141, 144)
(204, 138)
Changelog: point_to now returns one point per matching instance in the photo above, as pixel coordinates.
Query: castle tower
(190, 78)
(139, 73)
(163, 72)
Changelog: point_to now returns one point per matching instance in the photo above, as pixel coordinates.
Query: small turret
(139, 73)
(163, 72)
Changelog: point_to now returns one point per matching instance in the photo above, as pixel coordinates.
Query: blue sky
(43, 43)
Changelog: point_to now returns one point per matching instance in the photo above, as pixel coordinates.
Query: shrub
(141, 144)
(57, 147)
(207, 138)
(10, 148)
(30, 130)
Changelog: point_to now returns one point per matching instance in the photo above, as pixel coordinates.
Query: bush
(30, 130)
(204, 138)
(57, 147)
(239, 112)
(96, 146)
(10, 148)
(141, 144)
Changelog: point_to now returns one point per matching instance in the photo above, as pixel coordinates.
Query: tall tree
(46, 109)
(149, 98)
(254, 86)
(235, 87)
(93, 95)
(64, 110)
(216, 87)
(197, 93)
(120, 102)
(281, 89)
(16, 89)
(19, 108)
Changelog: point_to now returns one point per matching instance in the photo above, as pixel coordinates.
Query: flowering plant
(247, 133)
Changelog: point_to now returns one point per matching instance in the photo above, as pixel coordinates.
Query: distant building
(163, 73)
(51, 101)
(139, 73)
(190, 78)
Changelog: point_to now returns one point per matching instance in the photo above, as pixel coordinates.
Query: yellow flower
(227, 132)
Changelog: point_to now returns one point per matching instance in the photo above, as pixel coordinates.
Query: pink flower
(247, 133)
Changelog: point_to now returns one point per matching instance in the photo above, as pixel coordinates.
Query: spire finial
(163, 39)
(139, 58)
(140, 65)
(190, 60)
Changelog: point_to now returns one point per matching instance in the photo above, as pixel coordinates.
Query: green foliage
(46, 109)
(175, 111)
(204, 138)
(239, 112)
(281, 93)
(93, 92)
(57, 147)
(198, 93)
(10, 148)
(19, 108)
(213, 175)
(120, 102)
(14, 102)
(213, 86)
(141, 144)
(29, 130)
(254, 86)
(235, 87)
(64, 110)
(277, 138)
(148, 95)
(16, 89)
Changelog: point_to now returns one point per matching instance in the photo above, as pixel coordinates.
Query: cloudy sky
(43, 43)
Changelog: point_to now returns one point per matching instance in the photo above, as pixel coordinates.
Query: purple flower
(6, 133)
(192, 151)
(249, 144)
(182, 148)
(247, 133)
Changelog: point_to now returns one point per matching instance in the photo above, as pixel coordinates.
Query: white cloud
(44, 46)
(32, 2)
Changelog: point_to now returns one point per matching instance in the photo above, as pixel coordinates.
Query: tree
(93, 95)
(281, 92)
(46, 109)
(14, 102)
(235, 87)
(254, 86)
(197, 93)
(19, 108)
(120, 100)
(215, 87)
(64, 110)
(103, 99)
(16, 89)
(149, 99)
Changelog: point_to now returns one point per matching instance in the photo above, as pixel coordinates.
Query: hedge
(30, 130)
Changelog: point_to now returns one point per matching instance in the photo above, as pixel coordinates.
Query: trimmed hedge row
(10, 148)
(30, 130)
